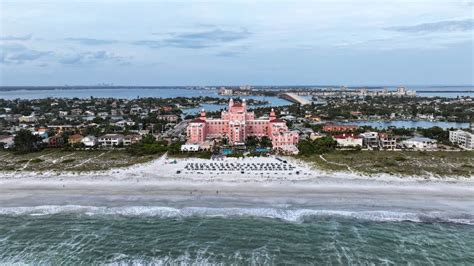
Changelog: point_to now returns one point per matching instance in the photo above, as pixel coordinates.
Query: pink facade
(236, 124)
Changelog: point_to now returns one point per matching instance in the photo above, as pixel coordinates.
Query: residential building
(236, 124)
(89, 113)
(313, 118)
(387, 142)
(103, 115)
(76, 111)
(89, 141)
(225, 92)
(370, 139)
(167, 108)
(189, 147)
(123, 123)
(54, 141)
(462, 138)
(74, 139)
(28, 118)
(316, 135)
(339, 128)
(111, 140)
(135, 110)
(42, 132)
(420, 144)
(131, 139)
(168, 118)
(348, 140)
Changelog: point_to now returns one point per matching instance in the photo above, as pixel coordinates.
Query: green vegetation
(149, 146)
(253, 142)
(318, 146)
(70, 161)
(413, 163)
(437, 133)
(37, 160)
(26, 142)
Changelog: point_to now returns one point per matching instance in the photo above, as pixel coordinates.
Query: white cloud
(66, 32)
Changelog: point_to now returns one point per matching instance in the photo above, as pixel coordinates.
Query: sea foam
(285, 214)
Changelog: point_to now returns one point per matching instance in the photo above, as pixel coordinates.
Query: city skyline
(237, 42)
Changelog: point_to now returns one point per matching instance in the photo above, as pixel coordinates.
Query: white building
(462, 138)
(28, 118)
(189, 147)
(123, 123)
(89, 141)
(348, 140)
(224, 91)
(420, 144)
(110, 140)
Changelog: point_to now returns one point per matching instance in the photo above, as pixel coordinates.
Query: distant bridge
(294, 98)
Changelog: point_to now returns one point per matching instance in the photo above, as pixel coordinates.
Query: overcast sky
(378, 42)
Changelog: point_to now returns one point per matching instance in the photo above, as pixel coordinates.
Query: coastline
(150, 189)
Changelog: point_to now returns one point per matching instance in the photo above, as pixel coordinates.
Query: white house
(420, 143)
(28, 118)
(103, 115)
(110, 140)
(189, 147)
(462, 138)
(348, 140)
(89, 141)
(124, 123)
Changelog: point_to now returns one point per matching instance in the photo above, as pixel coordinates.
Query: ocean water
(168, 92)
(74, 235)
(127, 93)
(410, 124)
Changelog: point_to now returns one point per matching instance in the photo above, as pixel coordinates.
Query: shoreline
(155, 189)
(151, 189)
(292, 202)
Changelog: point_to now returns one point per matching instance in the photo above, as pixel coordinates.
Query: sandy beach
(159, 184)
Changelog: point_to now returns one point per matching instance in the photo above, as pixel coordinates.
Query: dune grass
(74, 161)
(406, 163)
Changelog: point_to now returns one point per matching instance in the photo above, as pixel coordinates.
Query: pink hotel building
(236, 124)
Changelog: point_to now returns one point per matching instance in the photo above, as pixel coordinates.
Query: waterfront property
(111, 140)
(75, 139)
(387, 142)
(89, 141)
(420, 144)
(329, 127)
(379, 140)
(236, 124)
(131, 139)
(462, 138)
(348, 140)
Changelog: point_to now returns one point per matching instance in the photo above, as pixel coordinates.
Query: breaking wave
(286, 214)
